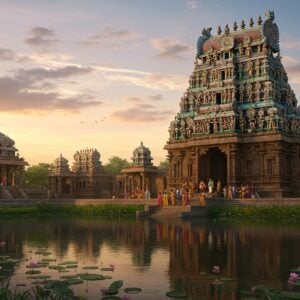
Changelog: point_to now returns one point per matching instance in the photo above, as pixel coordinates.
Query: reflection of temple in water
(238, 120)
(248, 255)
(245, 253)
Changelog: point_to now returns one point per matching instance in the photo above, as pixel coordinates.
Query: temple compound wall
(238, 121)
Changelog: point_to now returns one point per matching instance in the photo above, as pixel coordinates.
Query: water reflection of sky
(155, 256)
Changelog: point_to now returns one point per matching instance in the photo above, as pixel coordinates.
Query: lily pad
(107, 269)
(33, 272)
(107, 277)
(226, 279)
(70, 262)
(114, 287)
(73, 281)
(111, 298)
(90, 268)
(290, 295)
(68, 276)
(46, 253)
(59, 268)
(177, 294)
(42, 277)
(48, 259)
(72, 266)
(132, 290)
(91, 277)
(4, 257)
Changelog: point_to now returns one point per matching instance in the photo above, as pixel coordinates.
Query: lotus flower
(103, 291)
(125, 297)
(253, 289)
(33, 264)
(0, 268)
(2, 243)
(216, 269)
(294, 276)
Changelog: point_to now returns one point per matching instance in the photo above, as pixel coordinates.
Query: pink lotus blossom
(2, 243)
(33, 264)
(103, 291)
(112, 266)
(253, 289)
(216, 269)
(294, 276)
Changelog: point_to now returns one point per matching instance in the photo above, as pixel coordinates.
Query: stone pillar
(59, 185)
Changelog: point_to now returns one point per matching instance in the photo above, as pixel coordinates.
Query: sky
(108, 74)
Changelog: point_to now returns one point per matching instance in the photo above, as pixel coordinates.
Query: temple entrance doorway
(213, 164)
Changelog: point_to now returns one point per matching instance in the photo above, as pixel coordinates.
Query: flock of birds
(94, 123)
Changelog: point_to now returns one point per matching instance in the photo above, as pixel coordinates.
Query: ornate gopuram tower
(238, 120)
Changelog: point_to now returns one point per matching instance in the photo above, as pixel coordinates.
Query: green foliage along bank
(263, 213)
(45, 208)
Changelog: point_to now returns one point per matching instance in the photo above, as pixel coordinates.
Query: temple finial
(227, 30)
(259, 21)
(235, 27)
(251, 22)
(243, 24)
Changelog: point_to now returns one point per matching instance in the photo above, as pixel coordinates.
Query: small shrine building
(141, 176)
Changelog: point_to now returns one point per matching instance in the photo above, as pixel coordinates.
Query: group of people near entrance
(183, 194)
(177, 196)
(227, 191)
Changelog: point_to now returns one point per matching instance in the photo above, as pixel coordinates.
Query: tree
(164, 164)
(115, 165)
(37, 175)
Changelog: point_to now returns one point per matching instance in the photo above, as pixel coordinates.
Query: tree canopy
(164, 164)
(37, 175)
(115, 165)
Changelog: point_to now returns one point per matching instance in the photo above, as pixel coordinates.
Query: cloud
(154, 81)
(192, 4)
(293, 72)
(10, 55)
(141, 113)
(291, 44)
(36, 74)
(112, 38)
(170, 48)
(133, 100)
(156, 97)
(29, 91)
(41, 37)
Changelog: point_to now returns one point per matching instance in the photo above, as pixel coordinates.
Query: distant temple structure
(10, 165)
(238, 120)
(141, 176)
(10, 162)
(86, 179)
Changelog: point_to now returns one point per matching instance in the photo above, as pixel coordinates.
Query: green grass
(287, 214)
(46, 208)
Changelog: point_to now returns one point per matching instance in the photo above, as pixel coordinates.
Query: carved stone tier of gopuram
(86, 179)
(238, 121)
(10, 162)
(141, 176)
